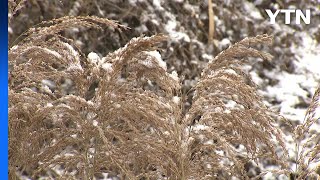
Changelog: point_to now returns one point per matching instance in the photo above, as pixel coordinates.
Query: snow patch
(176, 99)
(171, 26)
(174, 76)
(200, 127)
(224, 43)
(157, 4)
(10, 30)
(291, 88)
(95, 123)
(93, 57)
(72, 50)
(49, 105)
(253, 11)
(55, 53)
(48, 83)
(107, 67)
(156, 55)
(75, 67)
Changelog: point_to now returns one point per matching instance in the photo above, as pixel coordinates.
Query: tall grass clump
(307, 137)
(78, 117)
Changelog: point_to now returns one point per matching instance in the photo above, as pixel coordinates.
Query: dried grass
(308, 141)
(74, 117)
(211, 21)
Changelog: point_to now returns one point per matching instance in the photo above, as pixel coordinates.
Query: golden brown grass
(123, 114)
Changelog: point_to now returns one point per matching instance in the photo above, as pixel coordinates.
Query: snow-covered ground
(300, 85)
(294, 92)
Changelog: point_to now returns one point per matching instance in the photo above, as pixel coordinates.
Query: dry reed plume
(74, 117)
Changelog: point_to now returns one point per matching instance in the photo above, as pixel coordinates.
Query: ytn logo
(287, 14)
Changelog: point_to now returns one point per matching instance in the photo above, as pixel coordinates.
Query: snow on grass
(107, 67)
(55, 53)
(51, 84)
(75, 67)
(93, 57)
(174, 76)
(156, 56)
(72, 50)
(176, 99)
(95, 123)
(200, 127)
